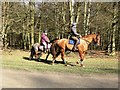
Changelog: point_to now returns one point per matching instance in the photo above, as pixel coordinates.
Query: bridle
(88, 42)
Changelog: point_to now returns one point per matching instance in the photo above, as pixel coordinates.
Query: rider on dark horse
(45, 41)
(74, 36)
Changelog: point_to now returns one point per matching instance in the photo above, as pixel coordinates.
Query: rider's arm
(47, 39)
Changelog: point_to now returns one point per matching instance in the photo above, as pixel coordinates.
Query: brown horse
(62, 45)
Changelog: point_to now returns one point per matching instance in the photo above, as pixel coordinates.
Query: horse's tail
(55, 50)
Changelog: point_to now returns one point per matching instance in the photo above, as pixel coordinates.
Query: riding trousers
(75, 38)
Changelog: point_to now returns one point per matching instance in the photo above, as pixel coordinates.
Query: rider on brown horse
(74, 36)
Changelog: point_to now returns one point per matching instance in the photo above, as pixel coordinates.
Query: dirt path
(26, 79)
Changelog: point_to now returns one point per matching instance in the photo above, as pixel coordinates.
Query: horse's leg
(81, 54)
(36, 55)
(47, 56)
(62, 56)
(39, 55)
(54, 58)
(31, 56)
(31, 53)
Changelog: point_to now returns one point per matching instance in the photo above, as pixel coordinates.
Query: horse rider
(45, 41)
(74, 36)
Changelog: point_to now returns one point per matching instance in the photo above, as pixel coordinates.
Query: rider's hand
(48, 42)
(80, 36)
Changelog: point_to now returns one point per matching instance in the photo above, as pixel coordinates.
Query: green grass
(94, 65)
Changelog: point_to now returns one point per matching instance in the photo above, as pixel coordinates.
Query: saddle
(71, 41)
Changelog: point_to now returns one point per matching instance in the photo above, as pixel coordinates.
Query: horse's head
(96, 39)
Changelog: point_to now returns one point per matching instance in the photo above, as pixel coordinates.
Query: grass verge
(94, 65)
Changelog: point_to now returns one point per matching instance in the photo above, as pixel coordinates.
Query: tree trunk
(32, 12)
(38, 22)
(78, 15)
(118, 27)
(114, 27)
(72, 15)
(64, 29)
(85, 16)
(28, 41)
(5, 23)
(88, 19)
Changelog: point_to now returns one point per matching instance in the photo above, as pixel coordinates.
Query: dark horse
(62, 45)
(37, 50)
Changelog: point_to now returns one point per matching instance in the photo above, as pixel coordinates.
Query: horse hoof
(82, 66)
(30, 58)
(38, 60)
(66, 65)
(77, 62)
(52, 64)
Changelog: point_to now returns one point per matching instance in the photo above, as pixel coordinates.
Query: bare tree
(32, 12)
(72, 13)
(6, 22)
(114, 26)
(85, 16)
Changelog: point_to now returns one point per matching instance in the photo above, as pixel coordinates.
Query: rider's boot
(75, 47)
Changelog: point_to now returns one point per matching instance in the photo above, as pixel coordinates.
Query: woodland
(24, 22)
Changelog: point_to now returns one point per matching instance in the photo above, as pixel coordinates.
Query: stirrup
(45, 51)
(74, 49)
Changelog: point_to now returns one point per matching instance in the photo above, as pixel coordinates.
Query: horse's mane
(54, 40)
